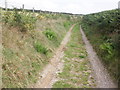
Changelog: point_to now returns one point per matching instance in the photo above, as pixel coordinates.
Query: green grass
(62, 84)
(76, 65)
(67, 24)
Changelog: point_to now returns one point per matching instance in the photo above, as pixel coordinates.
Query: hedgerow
(103, 31)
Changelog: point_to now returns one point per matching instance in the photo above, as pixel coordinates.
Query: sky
(68, 6)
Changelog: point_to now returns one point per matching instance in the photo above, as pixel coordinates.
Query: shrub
(28, 22)
(6, 17)
(40, 48)
(108, 50)
(24, 20)
(50, 34)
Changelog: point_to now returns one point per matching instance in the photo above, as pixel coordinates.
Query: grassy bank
(29, 41)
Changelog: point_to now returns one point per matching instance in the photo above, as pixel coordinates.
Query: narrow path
(101, 75)
(49, 72)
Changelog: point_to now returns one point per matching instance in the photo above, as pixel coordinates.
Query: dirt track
(48, 76)
(49, 72)
(101, 75)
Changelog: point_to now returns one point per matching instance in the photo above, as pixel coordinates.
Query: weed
(50, 34)
(82, 56)
(40, 48)
(108, 50)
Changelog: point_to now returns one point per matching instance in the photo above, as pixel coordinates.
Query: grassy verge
(76, 72)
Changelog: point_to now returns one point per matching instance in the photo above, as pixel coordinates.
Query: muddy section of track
(101, 75)
(49, 72)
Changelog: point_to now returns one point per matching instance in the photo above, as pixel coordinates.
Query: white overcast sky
(69, 6)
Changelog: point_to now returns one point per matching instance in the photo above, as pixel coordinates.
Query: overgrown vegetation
(24, 20)
(26, 54)
(76, 71)
(103, 31)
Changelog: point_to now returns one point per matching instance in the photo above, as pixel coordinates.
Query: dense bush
(103, 31)
(24, 20)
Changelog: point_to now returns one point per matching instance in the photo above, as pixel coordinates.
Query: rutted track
(101, 75)
(49, 72)
(48, 76)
